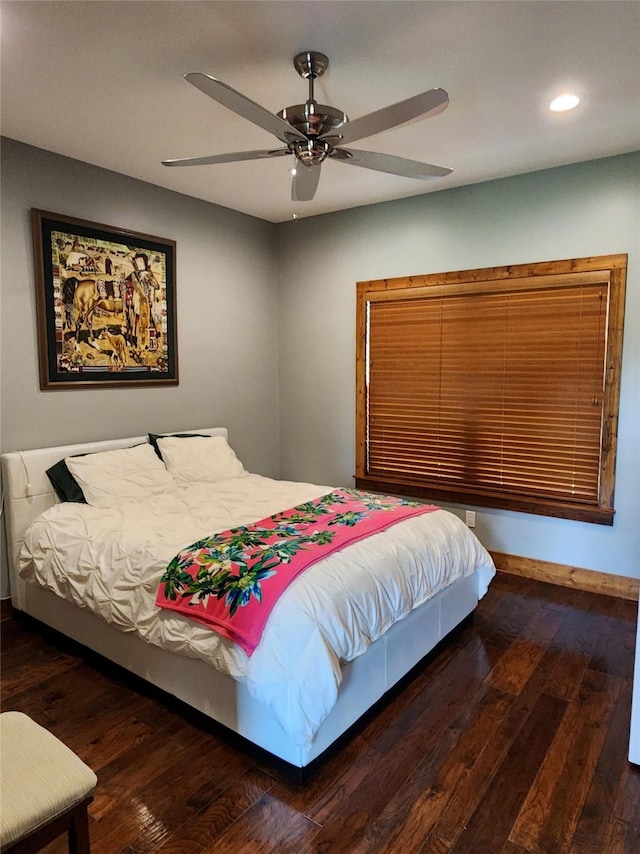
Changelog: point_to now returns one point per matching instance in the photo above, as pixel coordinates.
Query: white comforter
(111, 560)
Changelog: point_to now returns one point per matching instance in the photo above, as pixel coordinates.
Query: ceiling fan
(314, 132)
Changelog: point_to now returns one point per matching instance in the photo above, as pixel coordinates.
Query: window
(495, 387)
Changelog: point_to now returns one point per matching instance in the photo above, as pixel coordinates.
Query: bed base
(365, 680)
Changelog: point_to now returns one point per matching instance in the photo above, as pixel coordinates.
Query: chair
(45, 789)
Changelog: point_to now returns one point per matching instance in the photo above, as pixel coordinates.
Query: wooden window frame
(607, 269)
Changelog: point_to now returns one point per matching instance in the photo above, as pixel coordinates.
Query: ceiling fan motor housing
(313, 119)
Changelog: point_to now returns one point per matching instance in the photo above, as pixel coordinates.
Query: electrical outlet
(470, 518)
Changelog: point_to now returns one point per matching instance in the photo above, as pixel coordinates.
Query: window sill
(536, 506)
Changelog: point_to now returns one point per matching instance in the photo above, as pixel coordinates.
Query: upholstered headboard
(28, 492)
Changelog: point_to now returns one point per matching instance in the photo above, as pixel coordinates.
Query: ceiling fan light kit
(314, 132)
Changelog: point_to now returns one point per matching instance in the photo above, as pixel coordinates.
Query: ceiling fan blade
(412, 109)
(234, 157)
(305, 182)
(243, 106)
(390, 163)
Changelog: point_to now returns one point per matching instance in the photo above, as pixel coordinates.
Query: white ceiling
(103, 82)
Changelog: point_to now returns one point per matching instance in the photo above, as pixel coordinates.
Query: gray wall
(226, 309)
(576, 211)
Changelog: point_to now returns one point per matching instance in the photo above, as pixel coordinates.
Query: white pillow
(127, 474)
(198, 459)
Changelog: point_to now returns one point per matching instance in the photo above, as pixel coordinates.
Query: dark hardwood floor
(513, 740)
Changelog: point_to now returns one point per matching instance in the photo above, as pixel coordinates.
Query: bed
(294, 705)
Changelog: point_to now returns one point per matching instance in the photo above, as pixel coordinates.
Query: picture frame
(106, 305)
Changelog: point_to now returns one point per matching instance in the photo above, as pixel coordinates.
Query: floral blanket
(232, 580)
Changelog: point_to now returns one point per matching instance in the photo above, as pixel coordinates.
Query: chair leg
(75, 822)
(79, 842)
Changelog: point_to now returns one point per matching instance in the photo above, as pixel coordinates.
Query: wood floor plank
(345, 811)
(528, 661)
(147, 817)
(492, 820)
(30, 673)
(207, 829)
(537, 682)
(614, 647)
(627, 802)
(269, 825)
(519, 612)
(594, 833)
(410, 814)
(516, 665)
(550, 812)
(567, 674)
(475, 785)
(406, 819)
(142, 765)
(632, 838)
(67, 697)
(624, 839)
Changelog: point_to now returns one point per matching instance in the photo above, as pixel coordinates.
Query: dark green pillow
(64, 483)
(153, 438)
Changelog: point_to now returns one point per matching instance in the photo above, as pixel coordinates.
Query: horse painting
(106, 304)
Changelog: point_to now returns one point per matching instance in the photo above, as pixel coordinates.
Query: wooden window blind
(494, 388)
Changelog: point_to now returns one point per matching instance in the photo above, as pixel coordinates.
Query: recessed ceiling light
(564, 102)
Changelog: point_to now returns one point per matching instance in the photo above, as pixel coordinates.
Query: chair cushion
(40, 777)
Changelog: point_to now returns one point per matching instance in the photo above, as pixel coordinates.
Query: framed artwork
(106, 305)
